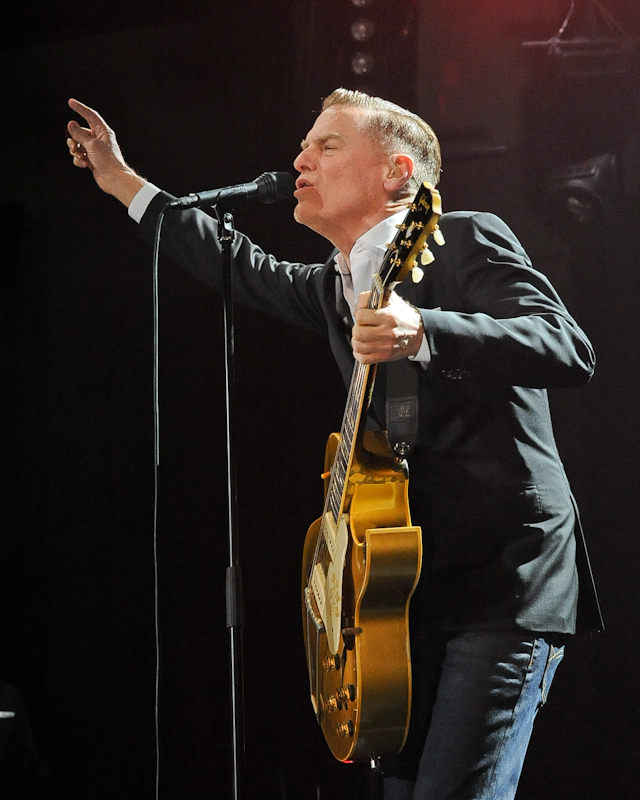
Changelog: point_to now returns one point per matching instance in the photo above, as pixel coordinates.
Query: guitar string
(338, 475)
(352, 416)
(351, 423)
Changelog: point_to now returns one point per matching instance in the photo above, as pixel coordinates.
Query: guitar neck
(362, 380)
(399, 260)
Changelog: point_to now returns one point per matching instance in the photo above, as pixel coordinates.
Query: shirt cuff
(424, 353)
(141, 201)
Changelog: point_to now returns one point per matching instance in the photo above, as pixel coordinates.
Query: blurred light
(362, 63)
(362, 3)
(363, 29)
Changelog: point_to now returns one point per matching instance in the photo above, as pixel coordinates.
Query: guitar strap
(401, 407)
(401, 379)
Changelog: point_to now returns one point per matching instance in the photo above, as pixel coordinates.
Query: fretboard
(356, 406)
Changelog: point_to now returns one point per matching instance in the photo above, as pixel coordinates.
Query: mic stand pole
(235, 610)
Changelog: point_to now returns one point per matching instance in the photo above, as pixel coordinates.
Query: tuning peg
(438, 237)
(426, 257)
(417, 274)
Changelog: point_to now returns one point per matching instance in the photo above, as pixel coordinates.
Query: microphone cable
(156, 479)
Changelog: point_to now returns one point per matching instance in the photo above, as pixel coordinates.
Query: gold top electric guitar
(362, 558)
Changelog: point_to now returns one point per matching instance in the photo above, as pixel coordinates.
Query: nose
(302, 162)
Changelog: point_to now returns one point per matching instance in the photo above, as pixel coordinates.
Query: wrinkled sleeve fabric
(289, 291)
(500, 319)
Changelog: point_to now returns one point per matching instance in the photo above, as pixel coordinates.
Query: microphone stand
(234, 601)
(269, 187)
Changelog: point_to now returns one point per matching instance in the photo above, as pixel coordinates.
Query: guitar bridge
(308, 601)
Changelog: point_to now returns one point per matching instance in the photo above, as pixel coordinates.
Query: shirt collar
(376, 238)
(383, 233)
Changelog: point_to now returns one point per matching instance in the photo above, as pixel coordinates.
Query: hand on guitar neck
(389, 333)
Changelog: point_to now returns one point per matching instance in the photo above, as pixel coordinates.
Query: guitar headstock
(410, 243)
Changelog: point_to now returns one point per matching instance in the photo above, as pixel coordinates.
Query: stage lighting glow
(363, 29)
(362, 63)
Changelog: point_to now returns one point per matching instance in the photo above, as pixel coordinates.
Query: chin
(302, 215)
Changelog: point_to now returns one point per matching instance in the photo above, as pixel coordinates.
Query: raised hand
(390, 333)
(96, 148)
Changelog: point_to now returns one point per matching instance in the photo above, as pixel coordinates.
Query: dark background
(210, 94)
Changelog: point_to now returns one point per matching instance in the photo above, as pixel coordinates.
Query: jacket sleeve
(289, 291)
(501, 320)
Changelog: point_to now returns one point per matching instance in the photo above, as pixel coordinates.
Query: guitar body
(361, 690)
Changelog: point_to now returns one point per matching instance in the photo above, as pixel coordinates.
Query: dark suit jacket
(487, 484)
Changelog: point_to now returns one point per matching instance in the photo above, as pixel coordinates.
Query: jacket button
(456, 374)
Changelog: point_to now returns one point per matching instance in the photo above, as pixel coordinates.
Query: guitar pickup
(319, 589)
(330, 531)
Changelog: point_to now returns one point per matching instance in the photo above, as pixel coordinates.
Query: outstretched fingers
(80, 137)
(97, 125)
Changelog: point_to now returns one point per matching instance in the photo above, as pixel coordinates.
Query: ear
(399, 172)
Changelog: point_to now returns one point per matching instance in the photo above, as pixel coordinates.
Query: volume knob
(345, 729)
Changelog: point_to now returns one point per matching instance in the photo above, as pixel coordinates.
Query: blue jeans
(475, 698)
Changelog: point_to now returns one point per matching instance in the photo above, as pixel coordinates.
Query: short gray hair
(398, 131)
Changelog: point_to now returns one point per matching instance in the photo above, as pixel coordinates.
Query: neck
(344, 239)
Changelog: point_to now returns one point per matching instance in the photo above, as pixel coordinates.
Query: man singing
(484, 334)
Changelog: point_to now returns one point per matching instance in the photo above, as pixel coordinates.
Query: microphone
(270, 187)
